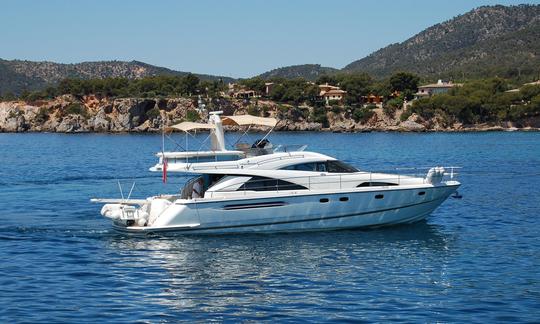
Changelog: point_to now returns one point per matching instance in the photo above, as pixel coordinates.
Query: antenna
(120, 187)
(201, 106)
(131, 190)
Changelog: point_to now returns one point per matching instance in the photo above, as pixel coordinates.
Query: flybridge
(215, 125)
(218, 151)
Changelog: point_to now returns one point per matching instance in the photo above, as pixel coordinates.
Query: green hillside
(307, 71)
(17, 76)
(487, 41)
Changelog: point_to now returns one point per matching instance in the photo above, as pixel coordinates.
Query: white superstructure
(260, 189)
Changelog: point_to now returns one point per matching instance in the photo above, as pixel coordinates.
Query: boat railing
(250, 151)
(280, 158)
(338, 181)
(290, 148)
(223, 156)
(195, 167)
(450, 172)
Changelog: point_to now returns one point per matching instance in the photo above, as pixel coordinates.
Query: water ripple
(474, 260)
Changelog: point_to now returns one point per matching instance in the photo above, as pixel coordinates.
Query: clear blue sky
(233, 38)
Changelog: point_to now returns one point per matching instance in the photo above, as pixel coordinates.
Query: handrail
(280, 158)
(247, 163)
(214, 167)
(290, 148)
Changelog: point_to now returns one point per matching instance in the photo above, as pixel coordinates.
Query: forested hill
(17, 76)
(487, 41)
(307, 71)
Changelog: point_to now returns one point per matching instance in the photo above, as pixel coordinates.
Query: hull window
(344, 199)
(379, 196)
(421, 193)
(324, 200)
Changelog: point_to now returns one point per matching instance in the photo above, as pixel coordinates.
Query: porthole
(379, 196)
(324, 200)
(344, 199)
(421, 193)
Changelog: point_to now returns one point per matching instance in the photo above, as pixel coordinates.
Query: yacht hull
(292, 213)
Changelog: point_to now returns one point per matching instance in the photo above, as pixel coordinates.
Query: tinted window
(327, 166)
(321, 167)
(340, 167)
(268, 184)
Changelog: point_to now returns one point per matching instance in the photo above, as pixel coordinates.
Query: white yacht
(266, 188)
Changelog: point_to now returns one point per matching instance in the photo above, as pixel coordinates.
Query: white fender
(112, 211)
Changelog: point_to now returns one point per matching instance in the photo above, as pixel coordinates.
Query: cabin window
(340, 167)
(302, 167)
(269, 184)
(326, 166)
(376, 184)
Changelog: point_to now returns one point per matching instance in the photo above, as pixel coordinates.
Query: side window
(327, 166)
(305, 167)
(285, 185)
(267, 184)
(290, 167)
(321, 166)
(301, 167)
(340, 167)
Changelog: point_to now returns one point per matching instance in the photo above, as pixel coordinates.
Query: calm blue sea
(476, 259)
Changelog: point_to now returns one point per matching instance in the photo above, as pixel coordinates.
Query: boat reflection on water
(211, 273)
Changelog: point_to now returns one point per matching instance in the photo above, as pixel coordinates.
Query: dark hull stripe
(150, 230)
(254, 205)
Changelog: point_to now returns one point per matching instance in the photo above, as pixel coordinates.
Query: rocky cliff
(67, 114)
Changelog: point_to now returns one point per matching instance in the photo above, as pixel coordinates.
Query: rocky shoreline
(67, 114)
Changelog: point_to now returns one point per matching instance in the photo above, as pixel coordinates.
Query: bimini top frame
(215, 125)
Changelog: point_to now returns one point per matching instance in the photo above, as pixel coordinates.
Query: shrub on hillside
(42, 115)
(318, 115)
(153, 113)
(192, 115)
(253, 110)
(75, 108)
(362, 114)
(405, 115)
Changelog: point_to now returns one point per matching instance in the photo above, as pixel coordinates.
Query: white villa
(435, 88)
(329, 92)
